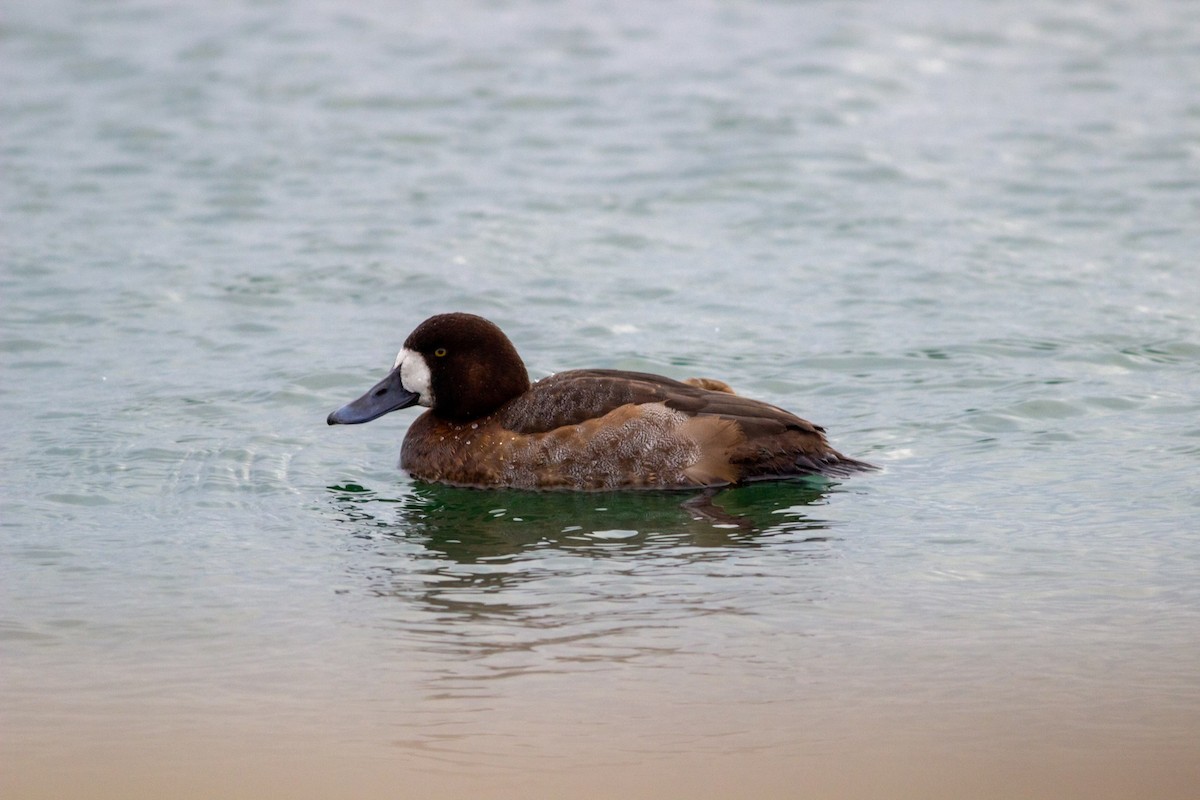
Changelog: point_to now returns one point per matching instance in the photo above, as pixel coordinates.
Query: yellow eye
(441, 351)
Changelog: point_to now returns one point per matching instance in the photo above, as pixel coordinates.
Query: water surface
(961, 236)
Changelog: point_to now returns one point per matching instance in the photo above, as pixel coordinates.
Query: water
(962, 236)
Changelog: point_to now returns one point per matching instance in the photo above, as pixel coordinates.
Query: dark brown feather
(775, 442)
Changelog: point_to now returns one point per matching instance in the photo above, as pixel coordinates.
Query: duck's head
(459, 365)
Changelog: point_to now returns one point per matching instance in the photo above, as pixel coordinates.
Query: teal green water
(961, 236)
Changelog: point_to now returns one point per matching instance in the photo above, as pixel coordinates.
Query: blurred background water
(962, 236)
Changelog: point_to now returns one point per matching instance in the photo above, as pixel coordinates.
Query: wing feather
(772, 442)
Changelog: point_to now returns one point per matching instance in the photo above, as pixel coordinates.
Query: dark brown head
(460, 365)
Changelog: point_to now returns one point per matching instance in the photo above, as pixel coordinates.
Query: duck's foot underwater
(701, 507)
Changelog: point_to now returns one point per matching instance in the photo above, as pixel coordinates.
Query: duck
(486, 425)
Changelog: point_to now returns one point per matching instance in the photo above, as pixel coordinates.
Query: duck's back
(608, 429)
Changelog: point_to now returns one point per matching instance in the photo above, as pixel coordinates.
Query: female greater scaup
(586, 429)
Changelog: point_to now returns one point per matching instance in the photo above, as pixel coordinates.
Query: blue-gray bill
(384, 397)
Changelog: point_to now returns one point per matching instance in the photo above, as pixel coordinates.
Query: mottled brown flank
(606, 429)
(632, 446)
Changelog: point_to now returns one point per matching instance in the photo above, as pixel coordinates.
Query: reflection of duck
(469, 526)
(506, 582)
(584, 429)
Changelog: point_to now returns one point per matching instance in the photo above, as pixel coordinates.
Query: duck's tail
(832, 464)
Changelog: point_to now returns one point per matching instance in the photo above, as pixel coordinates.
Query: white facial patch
(414, 375)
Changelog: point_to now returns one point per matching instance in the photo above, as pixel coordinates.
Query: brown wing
(574, 397)
(569, 398)
(775, 442)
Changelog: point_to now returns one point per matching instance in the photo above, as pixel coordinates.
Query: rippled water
(962, 236)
